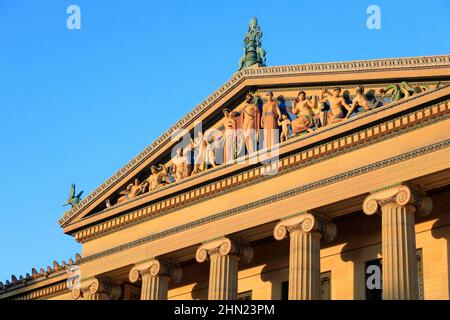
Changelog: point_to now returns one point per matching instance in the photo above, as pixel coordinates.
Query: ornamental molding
(275, 198)
(353, 66)
(377, 65)
(45, 293)
(380, 132)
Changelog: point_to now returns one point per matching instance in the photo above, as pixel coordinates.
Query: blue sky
(76, 105)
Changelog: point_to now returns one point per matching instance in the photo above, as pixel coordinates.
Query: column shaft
(223, 277)
(154, 287)
(224, 255)
(305, 231)
(99, 296)
(399, 203)
(399, 253)
(304, 265)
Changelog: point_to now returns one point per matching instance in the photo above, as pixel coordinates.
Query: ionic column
(305, 231)
(97, 289)
(155, 275)
(224, 255)
(398, 205)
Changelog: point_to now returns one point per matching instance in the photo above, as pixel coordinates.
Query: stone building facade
(323, 215)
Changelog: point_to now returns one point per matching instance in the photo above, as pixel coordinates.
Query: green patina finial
(254, 54)
(73, 199)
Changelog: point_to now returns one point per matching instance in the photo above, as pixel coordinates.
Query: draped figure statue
(250, 123)
(270, 114)
(230, 137)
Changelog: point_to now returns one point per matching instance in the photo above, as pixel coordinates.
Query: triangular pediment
(285, 82)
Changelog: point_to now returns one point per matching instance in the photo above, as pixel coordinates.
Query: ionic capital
(401, 195)
(224, 246)
(97, 285)
(78, 293)
(155, 267)
(305, 222)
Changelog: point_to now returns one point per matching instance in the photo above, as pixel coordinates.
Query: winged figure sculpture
(73, 199)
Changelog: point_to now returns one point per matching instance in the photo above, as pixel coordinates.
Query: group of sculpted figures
(259, 126)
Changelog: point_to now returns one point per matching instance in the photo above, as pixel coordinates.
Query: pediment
(285, 82)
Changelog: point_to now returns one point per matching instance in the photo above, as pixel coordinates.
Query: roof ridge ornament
(42, 274)
(254, 54)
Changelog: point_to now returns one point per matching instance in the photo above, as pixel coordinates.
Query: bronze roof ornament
(254, 54)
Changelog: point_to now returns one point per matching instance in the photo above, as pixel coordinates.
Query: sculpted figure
(132, 191)
(423, 88)
(198, 145)
(399, 91)
(165, 176)
(407, 91)
(250, 123)
(360, 100)
(336, 104)
(157, 178)
(152, 181)
(319, 119)
(284, 124)
(302, 108)
(204, 147)
(230, 137)
(180, 165)
(270, 114)
(73, 199)
(396, 92)
(210, 149)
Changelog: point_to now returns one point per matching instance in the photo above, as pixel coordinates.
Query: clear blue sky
(76, 105)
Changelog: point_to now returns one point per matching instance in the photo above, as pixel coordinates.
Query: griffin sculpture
(73, 199)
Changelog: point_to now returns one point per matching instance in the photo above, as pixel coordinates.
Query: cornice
(406, 63)
(353, 66)
(275, 198)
